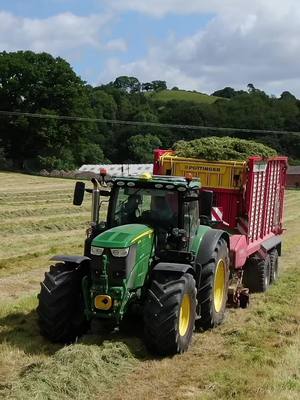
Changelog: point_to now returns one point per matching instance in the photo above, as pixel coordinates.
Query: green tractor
(151, 256)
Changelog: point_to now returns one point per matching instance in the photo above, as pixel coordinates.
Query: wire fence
(148, 124)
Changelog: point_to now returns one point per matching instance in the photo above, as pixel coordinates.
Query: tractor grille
(118, 269)
(96, 267)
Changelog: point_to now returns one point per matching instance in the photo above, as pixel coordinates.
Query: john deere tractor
(151, 254)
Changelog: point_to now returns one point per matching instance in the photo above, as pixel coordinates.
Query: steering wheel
(148, 218)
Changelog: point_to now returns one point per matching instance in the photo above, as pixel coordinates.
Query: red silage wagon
(247, 202)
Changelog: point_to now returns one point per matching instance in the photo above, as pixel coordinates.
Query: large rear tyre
(256, 276)
(60, 310)
(274, 266)
(169, 314)
(213, 290)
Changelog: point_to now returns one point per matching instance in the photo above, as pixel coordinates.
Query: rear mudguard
(206, 249)
(208, 245)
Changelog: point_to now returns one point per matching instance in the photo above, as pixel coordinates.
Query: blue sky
(138, 31)
(195, 45)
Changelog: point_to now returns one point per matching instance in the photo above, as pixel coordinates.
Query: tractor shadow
(20, 330)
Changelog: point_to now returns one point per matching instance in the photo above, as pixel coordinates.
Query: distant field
(196, 97)
(37, 220)
(255, 354)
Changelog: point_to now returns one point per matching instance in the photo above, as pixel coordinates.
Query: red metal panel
(283, 169)
(238, 250)
(273, 188)
(266, 225)
(157, 167)
(230, 202)
(265, 191)
(255, 211)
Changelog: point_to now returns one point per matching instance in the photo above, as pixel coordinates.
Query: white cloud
(57, 34)
(246, 41)
(116, 45)
(159, 8)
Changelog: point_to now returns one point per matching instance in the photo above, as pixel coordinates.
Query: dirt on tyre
(169, 313)
(213, 290)
(256, 276)
(274, 265)
(60, 310)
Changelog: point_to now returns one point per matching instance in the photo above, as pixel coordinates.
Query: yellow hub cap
(219, 285)
(184, 315)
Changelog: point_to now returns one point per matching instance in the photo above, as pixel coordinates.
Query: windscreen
(154, 207)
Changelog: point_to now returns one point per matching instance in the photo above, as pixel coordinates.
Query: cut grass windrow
(37, 220)
(30, 254)
(40, 370)
(253, 355)
(238, 359)
(43, 211)
(63, 223)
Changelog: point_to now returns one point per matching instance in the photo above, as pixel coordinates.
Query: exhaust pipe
(95, 202)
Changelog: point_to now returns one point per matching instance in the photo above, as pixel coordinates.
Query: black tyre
(60, 310)
(213, 290)
(256, 276)
(274, 267)
(169, 314)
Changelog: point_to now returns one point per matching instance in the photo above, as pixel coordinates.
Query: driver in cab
(161, 213)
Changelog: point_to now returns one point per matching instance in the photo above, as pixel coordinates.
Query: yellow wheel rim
(184, 315)
(219, 285)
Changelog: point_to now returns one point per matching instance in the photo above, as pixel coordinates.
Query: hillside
(183, 95)
(254, 354)
(45, 142)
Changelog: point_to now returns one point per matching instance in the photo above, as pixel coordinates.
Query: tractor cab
(167, 205)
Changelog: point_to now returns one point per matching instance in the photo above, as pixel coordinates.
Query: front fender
(174, 267)
(77, 260)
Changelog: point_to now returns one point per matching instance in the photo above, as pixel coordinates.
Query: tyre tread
(208, 318)
(161, 314)
(60, 310)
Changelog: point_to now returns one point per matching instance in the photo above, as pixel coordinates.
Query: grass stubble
(254, 354)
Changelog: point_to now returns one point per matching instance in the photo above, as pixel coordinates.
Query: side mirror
(206, 202)
(78, 193)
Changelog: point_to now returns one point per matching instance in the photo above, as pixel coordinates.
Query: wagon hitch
(238, 295)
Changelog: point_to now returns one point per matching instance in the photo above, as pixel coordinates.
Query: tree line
(40, 83)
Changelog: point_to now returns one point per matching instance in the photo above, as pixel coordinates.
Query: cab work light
(120, 252)
(97, 251)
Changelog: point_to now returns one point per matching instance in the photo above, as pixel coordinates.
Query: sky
(195, 45)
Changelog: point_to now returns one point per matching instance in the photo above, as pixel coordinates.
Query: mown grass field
(185, 95)
(254, 354)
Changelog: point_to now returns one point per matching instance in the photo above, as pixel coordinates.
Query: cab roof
(156, 181)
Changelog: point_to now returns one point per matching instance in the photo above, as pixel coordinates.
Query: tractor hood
(122, 236)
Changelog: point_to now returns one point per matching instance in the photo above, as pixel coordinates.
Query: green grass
(37, 220)
(183, 95)
(254, 354)
(32, 368)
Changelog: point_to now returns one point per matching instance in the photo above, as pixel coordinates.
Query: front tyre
(169, 314)
(60, 310)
